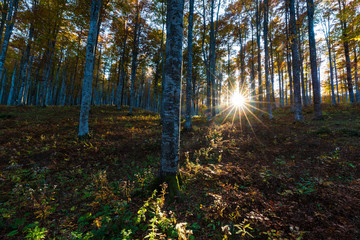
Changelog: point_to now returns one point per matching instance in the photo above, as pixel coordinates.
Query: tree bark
(134, 63)
(8, 31)
(4, 12)
(10, 100)
(122, 73)
(189, 67)
(170, 142)
(295, 62)
(212, 58)
(356, 75)
(89, 68)
(347, 52)
(259, 53)
(313, 59)
(266, 46)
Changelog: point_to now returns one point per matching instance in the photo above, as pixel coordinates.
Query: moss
(173, 186)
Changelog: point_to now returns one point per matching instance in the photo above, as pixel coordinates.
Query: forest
(179, 119)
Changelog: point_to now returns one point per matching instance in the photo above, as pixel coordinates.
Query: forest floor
(275, 179)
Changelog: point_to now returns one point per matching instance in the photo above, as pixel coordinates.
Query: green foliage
(34, 232)
(243, 229)
(235, 184)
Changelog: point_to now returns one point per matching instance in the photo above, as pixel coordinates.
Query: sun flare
(238, 100)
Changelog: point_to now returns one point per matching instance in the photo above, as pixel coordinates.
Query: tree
(258, 25)
(326, 27)
(8, 31)
(134, 64)
(295, 62)
(189, 67)
(89, 67)
(345, 40)
(170, 142)
(266, 46)
(313, 59)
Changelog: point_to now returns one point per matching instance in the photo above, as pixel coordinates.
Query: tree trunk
(333, 100)
(295, 62)
(207, 67)
(336, 78)
(356, 75)
(134, 63)
(313, 59)
(272, 74)
(89, 68)
(259, 53)
(288, 59)
(3, 86)
(212, 58)
(189, 68)
(347, 52)
(266, 46)
(170, 142)
(8, 31)
(281, 93)
(120, 86)
(252, 75)
(10, 100)
(4, 12)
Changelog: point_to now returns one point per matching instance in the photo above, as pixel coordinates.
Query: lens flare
(238, 100)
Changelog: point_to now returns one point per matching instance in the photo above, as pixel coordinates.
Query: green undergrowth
(256, 179)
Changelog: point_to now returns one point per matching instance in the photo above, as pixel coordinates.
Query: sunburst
(242, 104)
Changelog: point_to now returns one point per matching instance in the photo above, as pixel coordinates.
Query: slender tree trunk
(302, 77)
(347, 52)
(134, 56)
(313, 59)
(189, 67)
(47, 69)
(309, 86)
(259, 53)
(10, 100)
(272, 74)
(282, 87)
(336, 78)
(288, 59)
(242, 65)
(333, 100)
(295, 62)
(120, 86)
(266, 46)
(286, 94)
(194, 83)
(4, 12)
(28, 80)
(95, 93)
(356, 75)
(8, 32)
(162, 66)
(3, 86)
(212, 59)
(281, 93)
(252, 75)
(89, 68)
(170, 143)
(207, 67)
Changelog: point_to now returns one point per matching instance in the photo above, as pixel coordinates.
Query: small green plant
(305, 187)
(82, 236)
(243, 229)
(265, 174)
(160, 224)
(34, 232)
